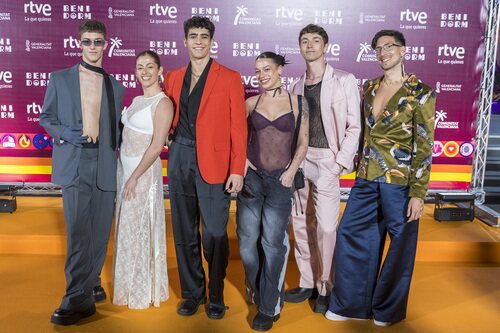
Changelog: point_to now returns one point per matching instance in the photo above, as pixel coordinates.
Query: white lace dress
(140, 264)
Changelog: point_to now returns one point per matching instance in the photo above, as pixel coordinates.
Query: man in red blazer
(205, 165)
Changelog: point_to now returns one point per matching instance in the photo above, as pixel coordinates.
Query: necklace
(312, 78)
(275, 90)
(312, 86)
(387, 82)
(89, 71)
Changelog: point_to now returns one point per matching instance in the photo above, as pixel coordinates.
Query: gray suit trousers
(88, 212)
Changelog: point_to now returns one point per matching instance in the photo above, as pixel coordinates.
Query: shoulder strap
(290, 99)
(299, 117)
(258, 99)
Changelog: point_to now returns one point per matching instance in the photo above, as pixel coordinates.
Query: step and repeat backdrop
(444, 48)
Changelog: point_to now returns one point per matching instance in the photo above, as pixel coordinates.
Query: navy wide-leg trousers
(364, 287)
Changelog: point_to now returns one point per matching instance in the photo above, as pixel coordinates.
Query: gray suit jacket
(62, 108)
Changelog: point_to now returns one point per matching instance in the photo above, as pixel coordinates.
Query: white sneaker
(335, 317)
(382, 323)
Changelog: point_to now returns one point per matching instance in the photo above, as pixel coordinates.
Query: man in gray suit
(81, 112)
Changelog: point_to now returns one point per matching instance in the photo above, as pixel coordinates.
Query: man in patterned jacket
(388, 195)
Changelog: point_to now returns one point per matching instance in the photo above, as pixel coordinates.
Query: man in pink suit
(335, 128)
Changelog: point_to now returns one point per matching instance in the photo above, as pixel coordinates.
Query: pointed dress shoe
(70, 317)
(262, 322)
(189, 307)
(216, 311)
(297, 295)
(99, 294)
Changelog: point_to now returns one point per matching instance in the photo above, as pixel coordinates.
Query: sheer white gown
(140, 266)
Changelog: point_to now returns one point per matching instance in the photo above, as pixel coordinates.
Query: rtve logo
(6, 77)
(33, 108)
(34, 8)
(289, 13)
(71, 43)
(411, 16)
(159, 10)
(451, 51)
(215, 49)
(333, 49)
(250, 80)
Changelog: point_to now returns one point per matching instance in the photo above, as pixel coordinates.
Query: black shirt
(190, 103)
(317, 136)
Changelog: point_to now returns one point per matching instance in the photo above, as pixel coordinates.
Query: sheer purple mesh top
(270, 142)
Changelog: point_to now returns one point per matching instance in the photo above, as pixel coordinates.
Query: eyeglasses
(96, 42)
(386, 47)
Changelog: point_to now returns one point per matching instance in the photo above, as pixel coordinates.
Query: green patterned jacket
(397, 147)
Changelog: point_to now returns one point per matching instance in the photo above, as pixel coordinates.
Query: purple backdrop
(445, 49)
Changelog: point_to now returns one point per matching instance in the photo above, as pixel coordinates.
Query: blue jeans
(263, 209)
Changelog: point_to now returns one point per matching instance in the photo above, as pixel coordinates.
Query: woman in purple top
(265, 202)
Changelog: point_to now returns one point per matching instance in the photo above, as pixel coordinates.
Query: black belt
(90, 145)
(184, 141)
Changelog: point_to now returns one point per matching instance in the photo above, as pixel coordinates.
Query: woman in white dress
(140, 266)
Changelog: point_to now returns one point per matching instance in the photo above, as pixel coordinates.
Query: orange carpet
(455, 285)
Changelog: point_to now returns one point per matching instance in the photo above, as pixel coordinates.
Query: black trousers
(88, 212)
(191, 198)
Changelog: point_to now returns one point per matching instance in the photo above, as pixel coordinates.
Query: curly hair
(199, 22)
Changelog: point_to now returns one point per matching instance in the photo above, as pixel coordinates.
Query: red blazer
(221, 125)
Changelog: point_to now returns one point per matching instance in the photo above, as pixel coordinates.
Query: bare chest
(91, 90)
(383, 96)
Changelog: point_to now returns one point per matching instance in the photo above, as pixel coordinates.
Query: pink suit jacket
(340, 112)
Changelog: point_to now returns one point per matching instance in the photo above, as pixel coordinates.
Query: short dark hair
(152, 54)
(199, 22)
(278, 59)
(398, 37)
(314, 29)
(92, 26)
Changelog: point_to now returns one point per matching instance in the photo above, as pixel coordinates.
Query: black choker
(93, 68)
(275, 90)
